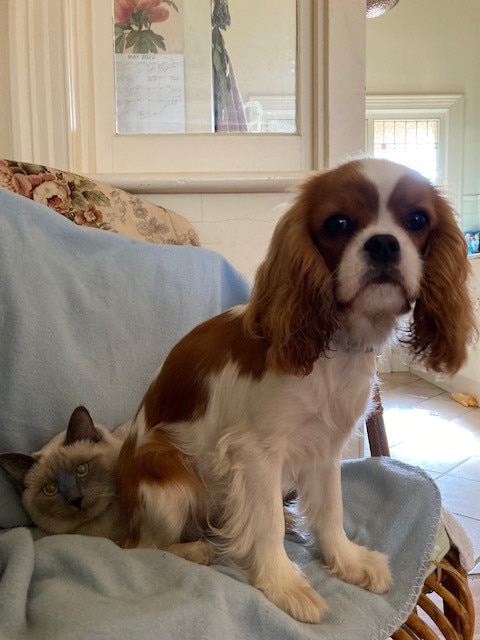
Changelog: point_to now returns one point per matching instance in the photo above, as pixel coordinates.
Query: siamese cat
(68, 486)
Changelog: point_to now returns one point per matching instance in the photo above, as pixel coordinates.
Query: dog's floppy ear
(292, 304)
(443, 322)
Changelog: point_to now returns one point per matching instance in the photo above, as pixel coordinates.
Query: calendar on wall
(150, 93)
(149, 67)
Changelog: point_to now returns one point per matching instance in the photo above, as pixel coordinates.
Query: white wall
(238, 226)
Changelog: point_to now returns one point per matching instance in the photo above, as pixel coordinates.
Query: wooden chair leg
(377, 436)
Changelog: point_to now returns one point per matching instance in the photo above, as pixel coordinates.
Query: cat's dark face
(71, 481)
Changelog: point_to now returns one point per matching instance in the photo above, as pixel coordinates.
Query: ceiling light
(377, 8)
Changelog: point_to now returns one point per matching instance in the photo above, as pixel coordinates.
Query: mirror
(205, 66)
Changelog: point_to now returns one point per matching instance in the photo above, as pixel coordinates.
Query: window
(422, 132)
(411, 142)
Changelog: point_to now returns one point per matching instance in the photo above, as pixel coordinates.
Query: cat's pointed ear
(81, 427)
(16, 466)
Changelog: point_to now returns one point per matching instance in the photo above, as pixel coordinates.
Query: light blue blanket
(87, 317)
(77, 587)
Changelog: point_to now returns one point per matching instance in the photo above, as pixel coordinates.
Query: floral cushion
(95, 204)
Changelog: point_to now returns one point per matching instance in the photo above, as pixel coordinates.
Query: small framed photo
(473, 241)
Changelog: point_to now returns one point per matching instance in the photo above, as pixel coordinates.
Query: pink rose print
(89, 218)
(53, 193)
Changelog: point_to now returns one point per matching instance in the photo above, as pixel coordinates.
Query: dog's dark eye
(338, 225)
(417, 220)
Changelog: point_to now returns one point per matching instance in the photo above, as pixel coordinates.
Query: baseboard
(457, 383)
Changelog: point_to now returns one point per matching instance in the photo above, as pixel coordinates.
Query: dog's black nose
(383, 249)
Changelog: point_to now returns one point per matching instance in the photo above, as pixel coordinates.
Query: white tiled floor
(425, 427)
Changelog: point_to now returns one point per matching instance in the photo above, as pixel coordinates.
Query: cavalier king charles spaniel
(260, 400)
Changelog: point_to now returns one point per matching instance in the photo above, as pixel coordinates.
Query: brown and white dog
(261, 399)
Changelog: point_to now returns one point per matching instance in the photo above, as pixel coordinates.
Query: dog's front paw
(297, 598)
(361, 566)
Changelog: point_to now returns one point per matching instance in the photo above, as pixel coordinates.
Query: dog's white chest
(339, 392)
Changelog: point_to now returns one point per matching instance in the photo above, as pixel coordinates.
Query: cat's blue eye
(82, 470)
(50, 489)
